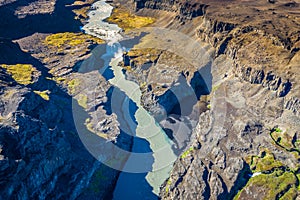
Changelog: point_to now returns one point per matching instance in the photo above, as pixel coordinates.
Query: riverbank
(144, 128)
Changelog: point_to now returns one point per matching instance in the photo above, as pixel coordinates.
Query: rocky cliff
(238, 108)
(246, 145)
(45, 101)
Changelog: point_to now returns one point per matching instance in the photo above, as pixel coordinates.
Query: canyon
(219, 79)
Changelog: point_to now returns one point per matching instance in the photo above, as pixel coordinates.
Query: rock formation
(242, 123)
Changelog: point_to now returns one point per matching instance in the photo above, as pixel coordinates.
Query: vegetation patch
(57, 79)
(70, 39)
(277, 130)
(142, 56)
(283, 139)
(215, 88)
(275, 180)
(82, 100)
(264, 162)
(72, 85)
(278, 183)
(169, 182)
(21, 73)
(43, 94)
(127, 21)
(187, 152)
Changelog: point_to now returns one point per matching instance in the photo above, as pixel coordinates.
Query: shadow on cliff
(46, 142)
(61, 20)
(241, 181)
(182, 107)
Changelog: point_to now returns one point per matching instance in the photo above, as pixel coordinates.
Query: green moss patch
(264, 162)
(275, 183)
(21, 73)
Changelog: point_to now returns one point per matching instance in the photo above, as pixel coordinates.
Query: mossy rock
(187, 152)
(264, 162)
(43, 94)
(72, 85)
(82, 100)
(283, 139)
(70, 39)
(271, 186)
(22, 73)
(142, 56)
(128, 21)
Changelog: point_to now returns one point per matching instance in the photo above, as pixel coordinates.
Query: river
(152, 158)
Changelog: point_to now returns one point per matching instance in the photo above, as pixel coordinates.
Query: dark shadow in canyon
(243, 177)
(47, 130)
(61, 20)
(182, 108)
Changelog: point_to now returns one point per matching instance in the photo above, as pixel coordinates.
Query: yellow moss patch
(141, 56)
(89, 126)
(298, 176)
(70, 39)
(57, 79)
(237, 196)
(290, 194)
(169, 182)
(215, 88)
(127, 21)
(82, 100)
(21, 73)
(72, 85)
(8, 94)
(187, 152)
(143, 84)
(43, 94)
(128, 68)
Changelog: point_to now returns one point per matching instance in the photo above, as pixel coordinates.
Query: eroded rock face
(255, 90)
(247, 126)
(41, 153)
(171, 90)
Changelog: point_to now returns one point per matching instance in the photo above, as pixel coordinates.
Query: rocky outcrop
(41, 153)
(41, 119)
(268, 80)
(293, 104)
(184, 9)
(255, 87)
